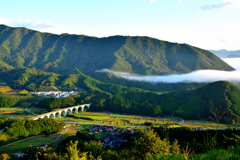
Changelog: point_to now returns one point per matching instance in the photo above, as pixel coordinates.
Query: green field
(203, 124)
(161, 92)
(37, 110)
(88, 118)
(14, 112)
(36, 141)
(32, 141)
(108, 118)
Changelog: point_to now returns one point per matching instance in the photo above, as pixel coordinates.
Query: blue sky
(208, 24)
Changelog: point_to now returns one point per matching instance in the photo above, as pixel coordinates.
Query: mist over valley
(120, 80)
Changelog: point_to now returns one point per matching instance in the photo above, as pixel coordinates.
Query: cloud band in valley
(200, 76)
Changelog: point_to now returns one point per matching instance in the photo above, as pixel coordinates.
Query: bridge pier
(76, 111)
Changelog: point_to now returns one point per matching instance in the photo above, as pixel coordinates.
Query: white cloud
(4, 21)
(180, 1)
(151, 1)
(36, 24)
(223, 40)
(214, 6)
(224, 4)
(200, 76)
(234, 4)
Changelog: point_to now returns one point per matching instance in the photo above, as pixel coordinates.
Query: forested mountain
(193, 104)
(21, 47)
(196, 104)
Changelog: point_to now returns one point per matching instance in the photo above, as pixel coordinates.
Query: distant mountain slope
(226, 54)
(33, 80)
(21, 47)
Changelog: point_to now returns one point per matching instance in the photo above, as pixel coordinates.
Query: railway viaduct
(63, 111)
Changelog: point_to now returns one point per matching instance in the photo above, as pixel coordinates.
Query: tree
(150, 145)
(217, 113)
(73, 152)
(4, 156)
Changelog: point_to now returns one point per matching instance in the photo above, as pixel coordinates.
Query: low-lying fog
(195, 76)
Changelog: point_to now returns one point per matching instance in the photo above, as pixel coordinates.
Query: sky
(207, 24)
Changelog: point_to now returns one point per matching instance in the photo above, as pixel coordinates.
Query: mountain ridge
(21, 47)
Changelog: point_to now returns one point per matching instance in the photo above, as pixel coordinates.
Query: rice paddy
(106, 118)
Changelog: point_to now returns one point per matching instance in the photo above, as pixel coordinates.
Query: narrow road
(58, 137)
(28, 110)
(20, 141)
(34, 137)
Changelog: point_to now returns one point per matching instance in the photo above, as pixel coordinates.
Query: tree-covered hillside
(21, 47)
(37, 61)
(193, 104)
(196, 103)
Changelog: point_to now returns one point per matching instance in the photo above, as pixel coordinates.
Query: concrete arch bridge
(62, 111)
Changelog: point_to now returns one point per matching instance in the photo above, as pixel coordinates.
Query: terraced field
(107, 118)
(203, 124)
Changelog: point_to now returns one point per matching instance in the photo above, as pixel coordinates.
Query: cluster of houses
(54, 94)
(38, 148)
(115, 136)
(180, 120)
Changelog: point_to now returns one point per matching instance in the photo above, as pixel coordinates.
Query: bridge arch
(58, 114)
(80, 108)
(75, 110)
(64, 113)
(52, 115)
(69, 111)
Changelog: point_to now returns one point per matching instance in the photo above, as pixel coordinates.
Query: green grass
(32, 141)
(108, 118)
(44, 139)
(231, 153)
(14, 112)
(36, 110)
(99, 135)
(114, 119)
(161, 92)
(203, 124)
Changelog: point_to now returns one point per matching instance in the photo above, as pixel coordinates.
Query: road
(33, 137)
(28, 110)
